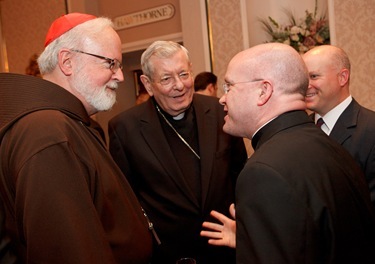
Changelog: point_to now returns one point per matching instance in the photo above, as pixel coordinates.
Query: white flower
(306, 33)
(295, 30)
(294, 37)
(301, 34)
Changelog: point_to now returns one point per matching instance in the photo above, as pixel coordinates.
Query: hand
(221, 234)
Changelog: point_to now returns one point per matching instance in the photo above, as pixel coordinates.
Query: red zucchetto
(65, 23)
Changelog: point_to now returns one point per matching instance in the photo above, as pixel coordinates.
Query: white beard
(101, 98)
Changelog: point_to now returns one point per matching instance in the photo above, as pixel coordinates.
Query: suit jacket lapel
(346, 123)
(207, 127)
(154, 136)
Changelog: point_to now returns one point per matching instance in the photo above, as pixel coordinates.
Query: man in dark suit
(300, 198)
(346, 121)
(176, 156)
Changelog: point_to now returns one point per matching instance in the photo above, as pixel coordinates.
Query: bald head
(263, 82)
(332, 55)
(276, 62)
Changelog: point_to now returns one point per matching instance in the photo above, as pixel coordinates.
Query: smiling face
(175, 96)
(328, 85)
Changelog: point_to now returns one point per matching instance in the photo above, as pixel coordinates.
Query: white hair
(73, 39)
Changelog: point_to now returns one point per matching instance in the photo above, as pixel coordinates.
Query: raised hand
(223, 234)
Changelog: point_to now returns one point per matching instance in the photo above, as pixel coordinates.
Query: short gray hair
(161, 49)
(73, 39)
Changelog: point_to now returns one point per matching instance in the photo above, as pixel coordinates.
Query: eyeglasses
(169, 80)
(114, 64)
(227, 85)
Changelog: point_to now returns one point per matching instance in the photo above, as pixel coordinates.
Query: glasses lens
(114, 65)
(170, 80)
(225, 87)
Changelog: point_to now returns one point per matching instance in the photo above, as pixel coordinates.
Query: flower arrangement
(302, 36)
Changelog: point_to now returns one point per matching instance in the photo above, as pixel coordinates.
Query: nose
(222, 100)
(119, 75)
(310, 86)
(179, 85)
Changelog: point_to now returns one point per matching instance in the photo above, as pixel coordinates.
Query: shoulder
(365, 117)
(200, 98)
(363, 111)
(203, 103)
(42, 129)
(50, 126)
(132, 113)
(46, 121)
(355, 108)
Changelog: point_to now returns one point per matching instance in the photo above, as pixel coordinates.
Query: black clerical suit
(178, 198)
(301, 198)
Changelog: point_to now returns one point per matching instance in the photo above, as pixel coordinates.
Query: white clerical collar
(179, 117)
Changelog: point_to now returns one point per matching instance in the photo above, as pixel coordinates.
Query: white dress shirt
(331, 117)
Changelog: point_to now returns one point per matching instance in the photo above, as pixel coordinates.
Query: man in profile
(301, 198)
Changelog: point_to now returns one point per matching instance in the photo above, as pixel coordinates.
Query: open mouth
(178, 96)
(311, 94)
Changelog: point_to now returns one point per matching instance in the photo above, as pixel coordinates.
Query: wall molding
(332, 25)
(144, 43)
(4, 66)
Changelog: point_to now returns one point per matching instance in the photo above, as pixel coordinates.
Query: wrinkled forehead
(174, 63)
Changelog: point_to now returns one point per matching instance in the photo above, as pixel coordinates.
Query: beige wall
(354, 26)
(24, 26)
(227, 37)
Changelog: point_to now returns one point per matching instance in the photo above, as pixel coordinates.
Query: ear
(210, 87)
(343, 77)
(64, 61)
(147, 84)
(264, 93)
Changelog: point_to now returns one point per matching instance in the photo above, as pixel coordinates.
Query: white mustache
(112, 85)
